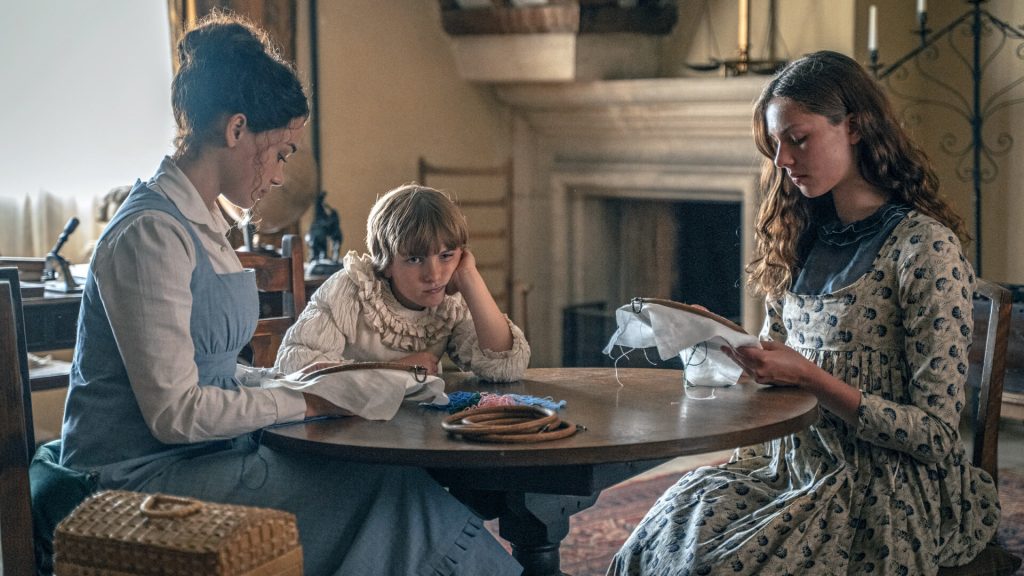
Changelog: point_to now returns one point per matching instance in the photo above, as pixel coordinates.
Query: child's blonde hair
(413, 220)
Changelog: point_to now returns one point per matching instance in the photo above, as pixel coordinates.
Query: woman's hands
(779, 365)
(317, 406)
(775, 364)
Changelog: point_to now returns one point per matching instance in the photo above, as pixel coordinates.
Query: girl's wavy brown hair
(834, 86)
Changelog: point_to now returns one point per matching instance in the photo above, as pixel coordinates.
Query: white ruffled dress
(355, 317)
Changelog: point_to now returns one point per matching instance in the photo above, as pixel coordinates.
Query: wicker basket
(117, 533)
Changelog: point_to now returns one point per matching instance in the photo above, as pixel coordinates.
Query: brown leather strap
(419, 371)
(638, 304)
(515, 424)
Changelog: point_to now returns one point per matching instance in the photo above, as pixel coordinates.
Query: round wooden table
(634, 419)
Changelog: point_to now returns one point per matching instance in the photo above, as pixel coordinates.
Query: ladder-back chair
(281, 282)
(990, 365)
(485, 195)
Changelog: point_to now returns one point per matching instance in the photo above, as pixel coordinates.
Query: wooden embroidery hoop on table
(514, 424)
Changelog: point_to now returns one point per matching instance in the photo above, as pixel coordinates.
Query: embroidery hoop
(418, 372)
(637, 304)
(512, 424)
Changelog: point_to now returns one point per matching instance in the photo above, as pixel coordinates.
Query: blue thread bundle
(461, 400)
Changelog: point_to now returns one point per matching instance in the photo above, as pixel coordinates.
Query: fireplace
(609, 174)
(686, 251)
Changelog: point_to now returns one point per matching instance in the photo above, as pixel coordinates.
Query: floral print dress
(893, 494)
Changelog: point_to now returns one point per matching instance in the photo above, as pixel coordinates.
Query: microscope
(55, 262)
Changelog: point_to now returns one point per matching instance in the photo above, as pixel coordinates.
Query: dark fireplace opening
(688, 251)
(709, 254)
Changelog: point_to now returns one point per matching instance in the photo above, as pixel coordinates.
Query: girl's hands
(492, 329)
(775, 364)
(464, 272)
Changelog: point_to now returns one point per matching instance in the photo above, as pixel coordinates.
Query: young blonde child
(416, 296)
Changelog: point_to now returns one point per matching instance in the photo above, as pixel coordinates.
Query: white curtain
(30, 224)
(90, 112)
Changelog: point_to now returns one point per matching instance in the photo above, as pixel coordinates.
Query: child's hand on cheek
(467, 265)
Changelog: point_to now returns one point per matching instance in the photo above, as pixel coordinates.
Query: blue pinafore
(103, 423)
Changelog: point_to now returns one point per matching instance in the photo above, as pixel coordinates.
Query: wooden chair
(994, 560)
(1013, 384)
(282, 286)
(11, 276)
(15, 452)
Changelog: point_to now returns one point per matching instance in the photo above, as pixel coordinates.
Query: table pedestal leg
(535, 524)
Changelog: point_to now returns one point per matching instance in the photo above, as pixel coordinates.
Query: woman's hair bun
(222, 37)
(228, 65)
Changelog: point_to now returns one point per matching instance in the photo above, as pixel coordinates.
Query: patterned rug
(598, 532)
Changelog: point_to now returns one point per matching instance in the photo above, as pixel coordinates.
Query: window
(86, 97)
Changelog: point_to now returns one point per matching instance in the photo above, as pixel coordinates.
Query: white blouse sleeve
(506, 366)
(321, 332)
(143, 273)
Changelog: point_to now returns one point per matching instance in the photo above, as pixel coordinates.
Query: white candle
(872, 28)
(744, 26)
(922, 6)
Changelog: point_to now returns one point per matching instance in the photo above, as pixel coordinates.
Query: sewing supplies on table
(509, 424)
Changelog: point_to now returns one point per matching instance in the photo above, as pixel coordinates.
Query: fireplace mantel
(647, 139)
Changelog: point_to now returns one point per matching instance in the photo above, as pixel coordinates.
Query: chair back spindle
(986, 372)
(280, 275)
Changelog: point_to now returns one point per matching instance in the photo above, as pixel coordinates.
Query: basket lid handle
(181, 507)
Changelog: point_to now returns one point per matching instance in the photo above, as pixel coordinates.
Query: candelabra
(744, 63)
(976, 161)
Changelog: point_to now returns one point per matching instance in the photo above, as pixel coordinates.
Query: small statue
(57, 268)
(325, 229)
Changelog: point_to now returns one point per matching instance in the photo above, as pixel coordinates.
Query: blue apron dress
(353, 518)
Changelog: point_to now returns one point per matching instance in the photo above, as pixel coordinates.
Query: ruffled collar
(399, 327)
(836, 233)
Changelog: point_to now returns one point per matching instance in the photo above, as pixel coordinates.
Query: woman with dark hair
(157, 402)
(869, 308)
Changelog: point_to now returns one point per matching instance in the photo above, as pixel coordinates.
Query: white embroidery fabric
(374, 394)
(695, 338)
